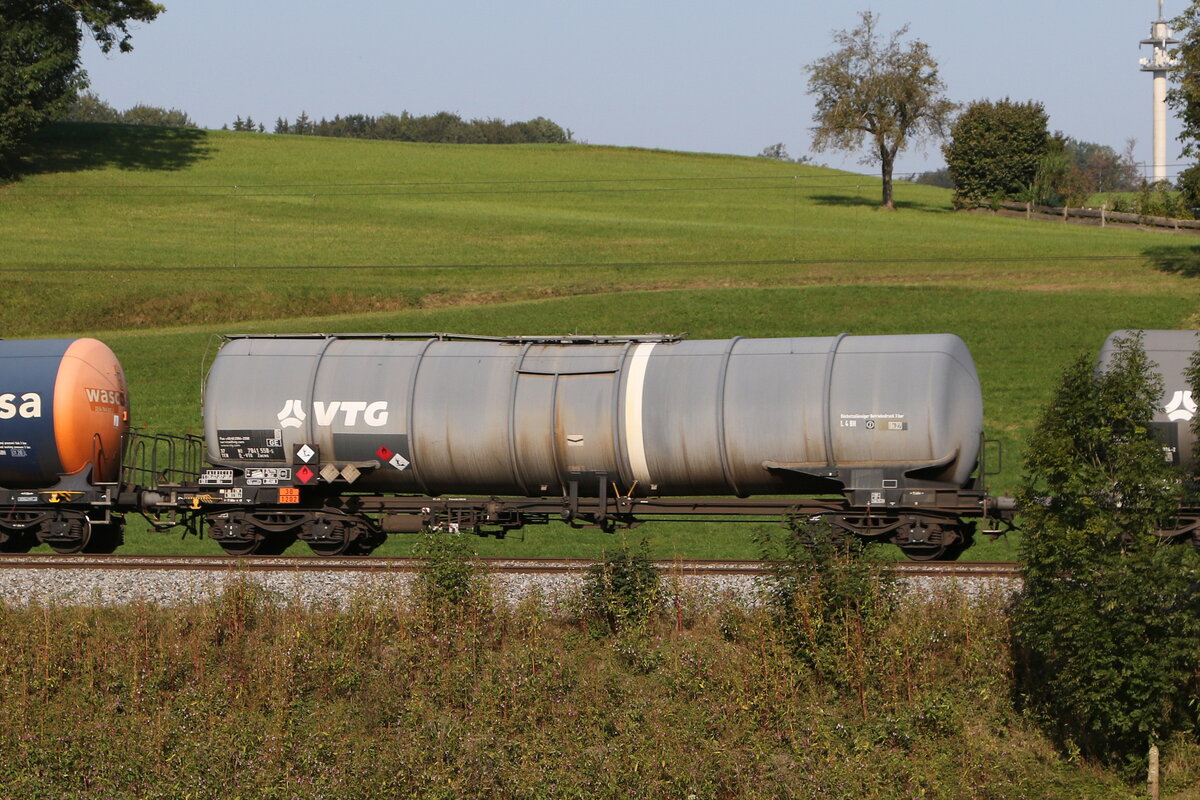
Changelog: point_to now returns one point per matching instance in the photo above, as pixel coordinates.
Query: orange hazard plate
(289, 495)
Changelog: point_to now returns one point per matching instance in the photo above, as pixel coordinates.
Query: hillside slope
(170, 227)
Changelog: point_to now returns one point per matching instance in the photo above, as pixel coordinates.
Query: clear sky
(697, 75)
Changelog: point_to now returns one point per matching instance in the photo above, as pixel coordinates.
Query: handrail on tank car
(156, 459)
(657, 338)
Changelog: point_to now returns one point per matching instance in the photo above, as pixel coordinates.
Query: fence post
(1103, 213)
(1152, 773)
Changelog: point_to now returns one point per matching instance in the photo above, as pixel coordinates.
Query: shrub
(449, 574)
(1189, 189)
(623, 590)
(828, 601)
(994, 150)
(1108, 625)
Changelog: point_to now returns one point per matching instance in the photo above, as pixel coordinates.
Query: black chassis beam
(22, 508)
(511, 512)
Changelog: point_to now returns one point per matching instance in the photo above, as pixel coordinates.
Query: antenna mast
(1158, 64)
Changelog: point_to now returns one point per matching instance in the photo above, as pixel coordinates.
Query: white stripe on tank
(634, 391)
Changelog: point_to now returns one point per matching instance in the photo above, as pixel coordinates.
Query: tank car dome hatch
(1171, 351)
(64, 410)
(433, 414)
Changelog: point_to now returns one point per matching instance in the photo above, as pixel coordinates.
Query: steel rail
(377, 564)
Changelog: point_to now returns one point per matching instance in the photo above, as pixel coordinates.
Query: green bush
(623, 590)
(1189, 189)
(1108, 624)
(449, 573)
(994, 150)
(828, 601)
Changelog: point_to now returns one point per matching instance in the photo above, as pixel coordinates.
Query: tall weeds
(250, 695)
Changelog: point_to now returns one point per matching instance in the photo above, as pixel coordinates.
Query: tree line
(88, 107)
(442, 127)
(42, 79)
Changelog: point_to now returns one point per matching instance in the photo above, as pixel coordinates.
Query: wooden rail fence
(1094, 216)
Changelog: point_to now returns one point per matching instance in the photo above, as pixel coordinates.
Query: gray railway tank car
(884, 420)
(1171, 351)
(658, 416)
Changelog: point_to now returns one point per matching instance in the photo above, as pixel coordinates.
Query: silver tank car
(1171, 351)
(437, 414)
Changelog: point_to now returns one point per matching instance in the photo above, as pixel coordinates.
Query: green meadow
(159, 240)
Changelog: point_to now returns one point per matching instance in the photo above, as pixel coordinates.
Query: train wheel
(934, 541)
(923, 552)
(66, 536)
(240, 547)
(329, 548)
(345, 537)
(367, 541)
(239, 536)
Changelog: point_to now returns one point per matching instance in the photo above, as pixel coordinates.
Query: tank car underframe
(269, 531)
(70, 518)
(341, 523)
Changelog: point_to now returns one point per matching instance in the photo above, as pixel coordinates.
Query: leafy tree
(1189, 189)
(89, 107)
(39, 57)
(1184, 94)
(540, 130)
(776, 152)
(142, 114)
(879, 90)
(994, 149)
(1101, 168)
(1050, 179)
(939, 177)
(1108, 624)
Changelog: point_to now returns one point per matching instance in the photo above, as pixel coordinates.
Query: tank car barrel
(652, 415)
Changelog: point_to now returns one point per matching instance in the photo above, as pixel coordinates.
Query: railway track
(526, 566)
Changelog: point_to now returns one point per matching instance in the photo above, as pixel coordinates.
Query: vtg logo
(30, 407)
(1182, 407)
(374, 414)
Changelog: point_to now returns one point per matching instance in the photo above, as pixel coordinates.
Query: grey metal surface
(646, 415)
(1170, 351)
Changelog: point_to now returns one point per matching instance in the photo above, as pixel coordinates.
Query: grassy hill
(155, 240)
